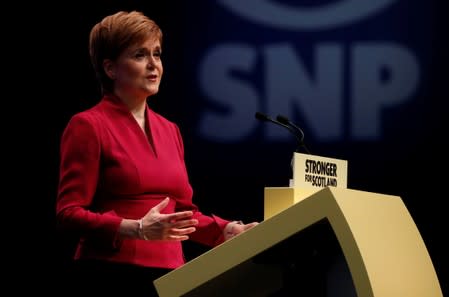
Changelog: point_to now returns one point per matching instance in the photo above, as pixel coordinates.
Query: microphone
(284, 120)
(265, 118)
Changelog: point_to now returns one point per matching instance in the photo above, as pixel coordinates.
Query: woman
(123, 183)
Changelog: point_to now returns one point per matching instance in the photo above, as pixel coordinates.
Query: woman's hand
(236, 227)
(168, 227)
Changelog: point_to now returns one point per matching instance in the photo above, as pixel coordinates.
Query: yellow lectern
(381, 244)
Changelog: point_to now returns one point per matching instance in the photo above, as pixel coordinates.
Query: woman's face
(138, 70)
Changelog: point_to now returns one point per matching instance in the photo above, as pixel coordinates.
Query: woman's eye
(144, 54)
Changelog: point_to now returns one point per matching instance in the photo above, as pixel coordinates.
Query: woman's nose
(152, 61)
(150, 64)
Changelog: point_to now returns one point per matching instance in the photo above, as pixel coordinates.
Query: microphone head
(283, 119)
(285, 122)
(262, 116)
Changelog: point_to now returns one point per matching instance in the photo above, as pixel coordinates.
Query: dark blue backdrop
(367, 83)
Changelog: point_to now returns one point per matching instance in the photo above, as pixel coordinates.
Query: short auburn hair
(113, 34)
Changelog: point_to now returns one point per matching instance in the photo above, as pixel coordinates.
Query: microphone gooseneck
(284, 120)
(263, 117)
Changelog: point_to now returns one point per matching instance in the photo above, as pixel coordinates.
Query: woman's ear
(109, 69)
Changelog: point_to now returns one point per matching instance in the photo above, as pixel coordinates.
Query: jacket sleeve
(80, 151)
(209, 231)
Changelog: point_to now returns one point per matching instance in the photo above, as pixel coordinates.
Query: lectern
(381, 246)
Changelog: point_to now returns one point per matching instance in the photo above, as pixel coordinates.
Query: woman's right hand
(168, 227)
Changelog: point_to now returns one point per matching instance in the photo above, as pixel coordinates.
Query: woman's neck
(136, 105)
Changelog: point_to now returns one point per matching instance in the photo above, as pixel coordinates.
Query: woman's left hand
(236, 227)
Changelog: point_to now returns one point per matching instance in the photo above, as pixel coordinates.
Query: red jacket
(110, 170)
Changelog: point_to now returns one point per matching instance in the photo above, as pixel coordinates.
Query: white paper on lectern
(312, 171)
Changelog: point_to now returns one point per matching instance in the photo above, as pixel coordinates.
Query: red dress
(110, 170)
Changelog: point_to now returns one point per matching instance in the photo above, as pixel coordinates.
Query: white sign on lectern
(311, 171)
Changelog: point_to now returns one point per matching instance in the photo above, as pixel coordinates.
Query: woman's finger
(163, 204)
(183, 231)
(184, 223)
(176, 216)
(177, 237)
(250, 225)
